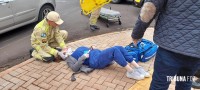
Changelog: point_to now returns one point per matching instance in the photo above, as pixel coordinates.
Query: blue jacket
(93, 56)
(177, 26)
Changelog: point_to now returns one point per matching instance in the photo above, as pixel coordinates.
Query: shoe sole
(135, 79)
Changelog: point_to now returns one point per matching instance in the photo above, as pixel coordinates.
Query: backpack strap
(85, 69)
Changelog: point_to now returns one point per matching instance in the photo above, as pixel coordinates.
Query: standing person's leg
(165, 65)
(110, 54)
(189, 67)
(129, 58)
(93, 19)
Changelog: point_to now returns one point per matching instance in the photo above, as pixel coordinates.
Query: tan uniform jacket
(43, 34)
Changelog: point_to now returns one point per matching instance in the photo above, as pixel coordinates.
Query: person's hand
(61, 55)
(135, 41)
(64, 50)
(86, 55)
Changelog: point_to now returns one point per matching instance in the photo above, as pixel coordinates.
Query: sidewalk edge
(16, 66)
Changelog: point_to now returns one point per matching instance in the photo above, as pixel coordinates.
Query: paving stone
(111, 88)
(29, 82)
(17, 85)
(39, 71)
(119, 82)
(92, 82)
(102, 73)
(129, 80)
(53, 88)
(50, 78)
(108, 84)
(55, 72)
(21, 88)
(44, 85)
(85, 77)
(119, 87)
(21, 74)
(65, 81)
(27, 68)
(101, 80)
(66, 71)
(31, 72)
(94, 75)
(99, 87)
(15, 80)
(59, 67)
(7, 77)
(35, 75)
(1, 87)
(20, 70)
(63, 87)
(128, 85)
(72, 86)
(14, 73)
(88, 88)
(61, 76)
(9, 86)
(82, 84)
(68, 76)
(4, 82)
(55, 83)
(110, 78)
(38, 81)
(25, 77)
(33, 87)
(50, 68)
(46, 74)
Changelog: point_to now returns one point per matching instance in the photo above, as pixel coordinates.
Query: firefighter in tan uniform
(47, 36)
(93, 19)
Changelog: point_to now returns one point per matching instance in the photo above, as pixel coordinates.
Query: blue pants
(168, 63)
(105, 57)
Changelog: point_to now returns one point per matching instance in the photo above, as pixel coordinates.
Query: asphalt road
(15, 45)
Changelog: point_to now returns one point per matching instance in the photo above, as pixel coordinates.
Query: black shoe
(49, 59)
(196, 84)
(30, 52)
(94, 27)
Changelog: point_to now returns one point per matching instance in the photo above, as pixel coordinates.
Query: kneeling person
(47, 36)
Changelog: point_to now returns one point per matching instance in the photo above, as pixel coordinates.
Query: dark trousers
(168, 63)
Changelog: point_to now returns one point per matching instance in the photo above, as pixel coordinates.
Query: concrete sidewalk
(37, 75)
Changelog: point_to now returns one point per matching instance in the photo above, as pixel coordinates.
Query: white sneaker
(142, 71)
(135, 75)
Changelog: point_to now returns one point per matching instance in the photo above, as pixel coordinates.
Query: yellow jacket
(43, 34)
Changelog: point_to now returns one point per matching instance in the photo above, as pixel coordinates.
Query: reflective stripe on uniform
(138, 1)
(37, 48)
(62, 44)
(52, 51)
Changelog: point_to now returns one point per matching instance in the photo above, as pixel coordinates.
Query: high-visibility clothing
(94, 16)
(45, 38)
(89, 6)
